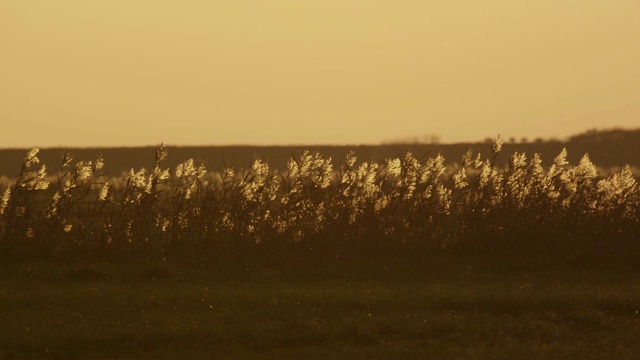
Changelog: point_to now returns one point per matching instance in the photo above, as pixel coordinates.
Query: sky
(219, 72)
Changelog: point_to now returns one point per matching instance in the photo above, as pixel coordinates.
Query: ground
(328, 309)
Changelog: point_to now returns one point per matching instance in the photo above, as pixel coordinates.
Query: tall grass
(467, 207)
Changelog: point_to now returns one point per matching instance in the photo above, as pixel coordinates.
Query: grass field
(407, 258)
(317, 308)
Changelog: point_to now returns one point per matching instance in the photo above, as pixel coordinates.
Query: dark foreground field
(304, 307)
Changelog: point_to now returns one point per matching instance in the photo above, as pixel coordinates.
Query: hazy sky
(134, 72)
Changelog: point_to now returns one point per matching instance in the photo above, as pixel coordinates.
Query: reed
(401, 204)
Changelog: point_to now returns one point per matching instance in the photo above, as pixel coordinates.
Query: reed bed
(471, 206)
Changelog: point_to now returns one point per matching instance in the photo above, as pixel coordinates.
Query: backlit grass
(472, 206)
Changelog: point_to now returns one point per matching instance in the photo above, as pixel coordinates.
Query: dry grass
(468, 207)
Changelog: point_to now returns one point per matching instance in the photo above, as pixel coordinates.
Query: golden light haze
(103, 73)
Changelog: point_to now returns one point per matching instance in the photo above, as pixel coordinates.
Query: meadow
(312, 308)
(493, 255)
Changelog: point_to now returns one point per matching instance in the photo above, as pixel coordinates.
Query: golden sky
(138, 72)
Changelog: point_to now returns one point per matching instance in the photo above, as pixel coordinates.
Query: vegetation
(609, 149)
(303, 307)
(403, 204)
(403, 258)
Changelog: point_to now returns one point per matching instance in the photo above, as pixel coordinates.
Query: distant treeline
(608, 149)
